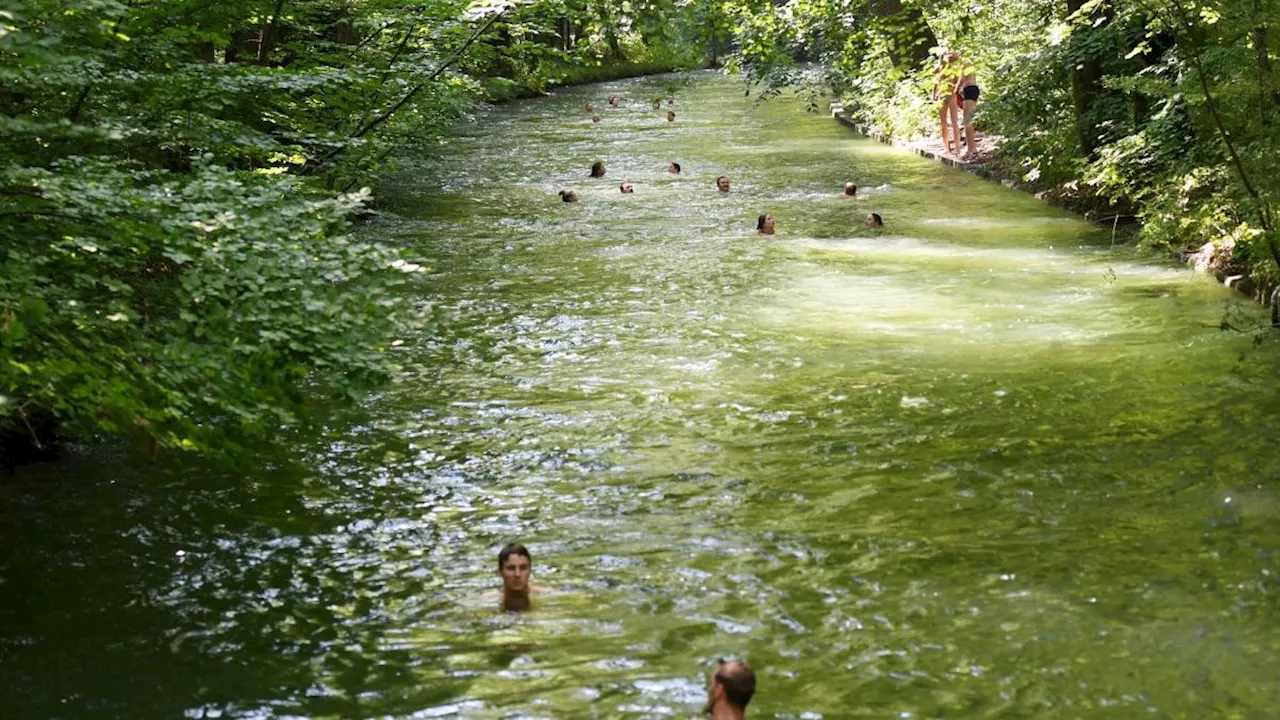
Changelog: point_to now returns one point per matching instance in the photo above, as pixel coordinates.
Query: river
(977, 463)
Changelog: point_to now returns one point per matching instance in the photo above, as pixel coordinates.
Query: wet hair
(879, 222)
(622, 186)
(671, 115)
(722, 177)
(595, 118)
(760, 221)
(850, 189)
(597, 169)
(739, 682)
(568, 196)
(676, 165)
(514, 548)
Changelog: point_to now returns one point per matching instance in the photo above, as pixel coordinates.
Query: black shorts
(971, 92)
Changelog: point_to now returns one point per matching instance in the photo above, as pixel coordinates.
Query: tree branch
(386, 115)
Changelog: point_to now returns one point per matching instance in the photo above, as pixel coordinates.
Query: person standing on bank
(732, 685)
(966, 93)
(946, 78)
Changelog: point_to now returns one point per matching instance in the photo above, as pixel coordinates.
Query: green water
(975, 464)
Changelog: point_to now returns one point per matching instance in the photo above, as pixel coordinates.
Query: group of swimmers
(730, 688)
(764, 223)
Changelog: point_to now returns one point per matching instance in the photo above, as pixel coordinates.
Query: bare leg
(953, 113)
(942, 120)
(969, 132)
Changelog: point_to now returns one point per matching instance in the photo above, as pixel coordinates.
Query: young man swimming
(597, 169)
(674, 168)
(722, 183)
(873, 220)
(850, 190)
(515, 565)
(626, 187)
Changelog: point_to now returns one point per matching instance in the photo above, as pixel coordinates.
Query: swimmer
(613, 101)
(626, 188)
(873, 220)
(671, 99)
(722, 183)
(671, 116)
(657, 105)
(595, 118)
(590, 107)
(674, 168)
(568, 196)
(597, 169)
(764, 224)
(731, 687)
(514, 566)
(850, 190)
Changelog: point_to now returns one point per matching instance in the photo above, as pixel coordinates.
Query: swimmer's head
(568, 196)
(657, 104)
(597, 169)
(671, 116)
(613, 100)
(850, 189)
(873, 220)
(674, 168)
(732, 684)
(764, 224)
(626, 188)
(595, 118)
(590, 107)
(514, 565)
(722, 183)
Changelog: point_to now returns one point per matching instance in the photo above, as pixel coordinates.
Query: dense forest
(180, 176)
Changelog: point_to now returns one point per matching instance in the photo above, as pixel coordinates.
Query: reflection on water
(977, 463)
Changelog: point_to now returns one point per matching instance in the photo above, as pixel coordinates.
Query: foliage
(179, 178)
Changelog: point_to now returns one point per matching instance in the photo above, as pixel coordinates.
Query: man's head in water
(732, 685)
(514, 565)
(568, 196)
(722, 183)
(873, 220)
(674, 168)
(590, 107)
(657, 104)
(595, 118)
(613, 100)
(597, 169)
(626, 188)
(850, 189)
(764, 224)
(671, 116)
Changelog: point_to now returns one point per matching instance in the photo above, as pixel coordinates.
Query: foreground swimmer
(626, 188)
(514, 565)
(722, 183)
(873, 220)
(674, 168)
(595, 118)
(764, 224)
(613, 101)
(568, 196)
(850, 190)
(732, 685)
(671, 116)
(590, 107)
(597, 169)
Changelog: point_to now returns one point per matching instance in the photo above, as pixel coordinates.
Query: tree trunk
(1086, 82)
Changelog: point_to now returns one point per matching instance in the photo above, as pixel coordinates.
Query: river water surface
(975, 464)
